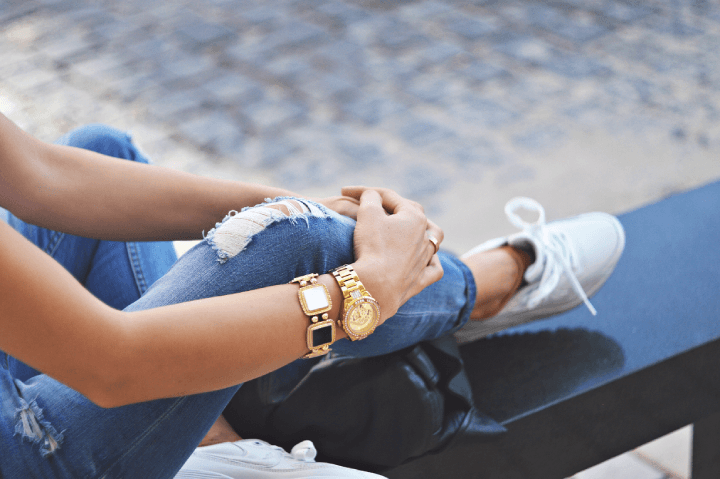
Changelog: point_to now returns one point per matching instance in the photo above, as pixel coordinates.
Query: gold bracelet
(315, 301)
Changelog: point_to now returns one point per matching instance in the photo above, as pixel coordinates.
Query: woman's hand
(344, 205)
(393, 256)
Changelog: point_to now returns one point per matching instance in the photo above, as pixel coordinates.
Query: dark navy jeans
(48, 430)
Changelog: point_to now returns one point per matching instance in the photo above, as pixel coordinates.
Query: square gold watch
(315, 301)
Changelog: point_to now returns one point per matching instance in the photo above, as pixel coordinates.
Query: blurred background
(461, 105)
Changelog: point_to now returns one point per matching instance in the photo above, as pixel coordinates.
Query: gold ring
(435, 243)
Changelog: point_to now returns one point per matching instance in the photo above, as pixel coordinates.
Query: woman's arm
(49, 321)
(84, 193)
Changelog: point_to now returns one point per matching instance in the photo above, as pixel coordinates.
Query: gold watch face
(362, 317)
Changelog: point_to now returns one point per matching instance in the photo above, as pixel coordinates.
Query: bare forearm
(115, 199)
(51, 322)
(213, 343)
(88, 194)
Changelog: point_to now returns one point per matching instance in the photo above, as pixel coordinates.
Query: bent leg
(153, 439)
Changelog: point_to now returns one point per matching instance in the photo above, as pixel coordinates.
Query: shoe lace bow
(557, 253)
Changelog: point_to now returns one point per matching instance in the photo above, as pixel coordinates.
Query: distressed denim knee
(260, 246)
(295, 234)
(235, 232)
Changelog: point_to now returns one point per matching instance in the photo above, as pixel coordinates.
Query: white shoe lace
(303, 451)
(559, 256)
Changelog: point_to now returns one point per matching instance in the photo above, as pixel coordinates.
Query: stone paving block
(343, 13)
(425, 10)
(420, 181)
(234, 88)
(474, 109)
(624, 12)
(340, 54)
(529, 49)
(195, 32)
(172, 103)
(671, 25)
(289, 69)
(100, 66)
(149, 48)
(391, 71)
(130, 85)
(329, 85)
(576, 66)
(216, 130)
(66, 46)
(398, 36)
(650, 52)
(438, 52)
(578, 28)
(251, 50)
(30, 80)
(270, 113)
(480, 71)
(10, 12)
(85, 14)
(477, 3)
(430, 89)
(372, 110)
(181, 66)
(12, 61)
(361, 155)
(422, 132)
(292, 35)
(111, 31)
(277, 152)
(263, 14)
(471, 28)
(308, 170)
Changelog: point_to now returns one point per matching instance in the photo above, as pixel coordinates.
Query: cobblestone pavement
(582, 104)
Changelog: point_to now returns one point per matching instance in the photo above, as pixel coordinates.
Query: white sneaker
(255, 459)
(573, 258)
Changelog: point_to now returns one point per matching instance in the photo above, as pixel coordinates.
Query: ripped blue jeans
(48, 430)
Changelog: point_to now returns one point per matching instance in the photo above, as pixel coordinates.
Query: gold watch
(316, 302)
(361, 311)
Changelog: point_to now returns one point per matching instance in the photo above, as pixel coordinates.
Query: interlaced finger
(370, 204)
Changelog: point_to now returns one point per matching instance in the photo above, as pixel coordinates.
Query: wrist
(374, 282)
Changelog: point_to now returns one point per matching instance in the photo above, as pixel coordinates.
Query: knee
(288, 231)
(105, 140)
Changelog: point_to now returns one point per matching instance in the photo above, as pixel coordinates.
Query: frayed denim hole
(234, 233)
(32, 426)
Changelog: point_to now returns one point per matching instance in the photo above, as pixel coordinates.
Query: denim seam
(138, 441)
(55, 240)
(471, 294)
(136, 266)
